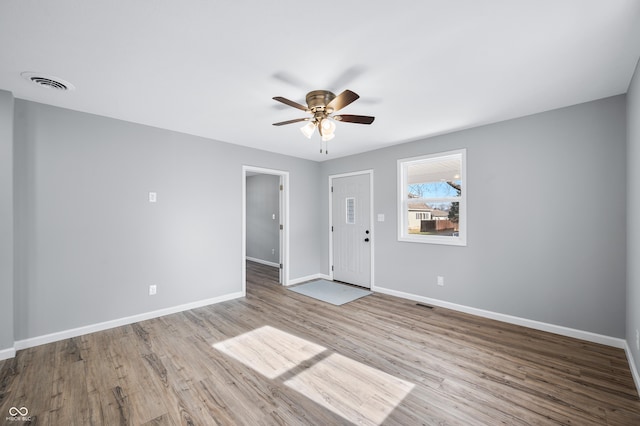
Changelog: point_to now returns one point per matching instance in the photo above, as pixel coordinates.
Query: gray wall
(633, 220)
(91, 243)
(546, 219)
(263, 232)
(88, 244)
(6, 220)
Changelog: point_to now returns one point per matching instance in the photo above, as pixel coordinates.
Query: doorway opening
(265, 214)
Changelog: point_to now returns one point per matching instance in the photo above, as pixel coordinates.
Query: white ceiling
(210, 68)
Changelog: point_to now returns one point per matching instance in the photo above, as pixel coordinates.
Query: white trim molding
(309, 278)
(537, 325)
(632, 366)
(75, 332)
(263, 262)
(284, 221)
(7, 353)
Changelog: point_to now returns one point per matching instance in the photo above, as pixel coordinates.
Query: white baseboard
(66, 334)
(7, 353)
(308, 278)
(537, 325)
(264, 262)
(632, 366)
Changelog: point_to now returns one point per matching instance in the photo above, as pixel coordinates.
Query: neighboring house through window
(432, 204)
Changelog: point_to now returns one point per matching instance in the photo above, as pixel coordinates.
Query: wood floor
(278, 357)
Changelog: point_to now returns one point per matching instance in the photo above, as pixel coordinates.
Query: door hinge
(281, 227)
(332, 267)
(332, 189)
(281, 187)
(332, 229)
(281, 266)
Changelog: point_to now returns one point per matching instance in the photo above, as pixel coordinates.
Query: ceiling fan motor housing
(319, 99)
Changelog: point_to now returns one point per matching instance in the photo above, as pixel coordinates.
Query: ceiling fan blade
(347, 77)
(342, 100)
(291, 79)
(290, 103)
(282, 123)
(360, 119)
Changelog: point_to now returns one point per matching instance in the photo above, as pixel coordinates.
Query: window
(351, 210)
(432, 198)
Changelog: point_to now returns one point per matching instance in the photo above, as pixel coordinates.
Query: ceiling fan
(321, 104)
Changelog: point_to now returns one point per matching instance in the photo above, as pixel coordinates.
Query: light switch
(380, 217)
(152, 197)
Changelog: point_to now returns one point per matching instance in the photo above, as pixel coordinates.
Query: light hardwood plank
(277, 357)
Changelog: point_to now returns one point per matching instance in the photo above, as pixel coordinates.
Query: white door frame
(373, 234)
(284, 221)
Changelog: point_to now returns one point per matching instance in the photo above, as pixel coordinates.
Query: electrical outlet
(637, 339)
(273, 251)
(153, 197)
(152, 290)
(440, 281)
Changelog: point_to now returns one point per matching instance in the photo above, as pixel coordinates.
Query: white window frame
(403, 201)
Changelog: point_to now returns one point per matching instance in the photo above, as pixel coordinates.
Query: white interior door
(351, 229)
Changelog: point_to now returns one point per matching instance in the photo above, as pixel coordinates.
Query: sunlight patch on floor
(269, 351)
(351, 389)
(358, 393)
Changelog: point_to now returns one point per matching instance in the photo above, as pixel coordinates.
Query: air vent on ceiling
(47, 81)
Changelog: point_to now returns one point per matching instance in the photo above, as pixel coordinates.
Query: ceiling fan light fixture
(328, 137)
(328, 126)
(308, 129)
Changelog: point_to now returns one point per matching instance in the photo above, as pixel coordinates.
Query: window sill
(433, 239)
